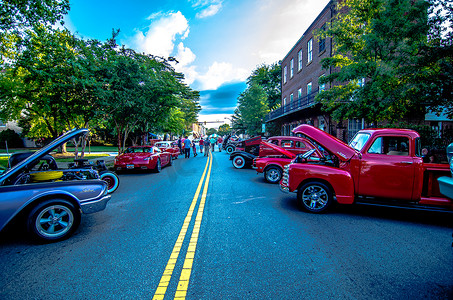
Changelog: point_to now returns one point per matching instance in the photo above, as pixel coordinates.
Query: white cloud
(209, 11)
(220, 73)
(161, 36)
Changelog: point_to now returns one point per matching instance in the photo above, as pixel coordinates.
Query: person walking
(180, 145)
(219, 143)
(207, 145)
(194, 148)
(213, 142)
(201, 143)
(187, 144)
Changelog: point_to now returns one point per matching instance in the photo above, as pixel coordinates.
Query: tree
(224, 129)
(380, 43)
(252, 107)
(211, 131)
(269, 77)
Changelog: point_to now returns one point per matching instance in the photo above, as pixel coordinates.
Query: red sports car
(143, 157)
(169, 146)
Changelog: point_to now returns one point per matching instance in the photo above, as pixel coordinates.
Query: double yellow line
(184, 278)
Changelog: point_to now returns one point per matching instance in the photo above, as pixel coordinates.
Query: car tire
(239, 162)
(113, 181)
(273, 174)
(170, 163)
(53, 220)
(315, 197)
(229, 149)
(158, 167)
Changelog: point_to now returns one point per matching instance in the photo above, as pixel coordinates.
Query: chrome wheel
(238, 162)
(53, 220)
(315, 196)
(158, 166)
(273, 174)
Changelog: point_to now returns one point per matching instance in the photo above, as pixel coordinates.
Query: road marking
(168, 272)
(183, 283)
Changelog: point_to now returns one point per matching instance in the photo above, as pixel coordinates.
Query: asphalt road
(246, 240)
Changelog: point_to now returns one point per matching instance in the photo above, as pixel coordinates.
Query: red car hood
(342, 150)
(279, 149)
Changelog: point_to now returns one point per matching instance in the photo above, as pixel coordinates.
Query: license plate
(130, 166)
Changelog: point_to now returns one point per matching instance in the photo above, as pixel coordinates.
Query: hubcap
(273, 175)
(54, 221)
(315, 197)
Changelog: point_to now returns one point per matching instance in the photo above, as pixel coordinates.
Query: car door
(386, 169)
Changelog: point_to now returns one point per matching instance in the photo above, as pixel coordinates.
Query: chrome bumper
(93, 206)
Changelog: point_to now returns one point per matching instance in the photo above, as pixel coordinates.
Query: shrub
(12, 138)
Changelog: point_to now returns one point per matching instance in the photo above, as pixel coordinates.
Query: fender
(246, 155)
(340, 181)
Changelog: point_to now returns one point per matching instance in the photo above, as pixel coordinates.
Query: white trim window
(299, 60)
(299, 93)
(310, 50)
(285, 72)
(309, 85)
(291, 97)
(291, 68)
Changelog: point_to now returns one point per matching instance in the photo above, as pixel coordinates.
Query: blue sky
(218, 43)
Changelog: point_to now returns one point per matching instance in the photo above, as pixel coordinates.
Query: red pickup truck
(379, 166)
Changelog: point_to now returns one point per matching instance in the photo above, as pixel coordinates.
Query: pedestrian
(180, 145)
(213, 142)
(207, 145)
(187, 144)
(219, 143)
(201, 143)
(194, 148)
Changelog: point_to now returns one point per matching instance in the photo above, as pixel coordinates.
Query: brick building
(301, 70)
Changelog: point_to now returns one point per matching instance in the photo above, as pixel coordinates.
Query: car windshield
(138, 150)
(359, 141)
(161, 145)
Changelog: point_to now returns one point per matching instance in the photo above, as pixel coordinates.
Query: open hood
(279, 149)
(342, 150)
(21, 166)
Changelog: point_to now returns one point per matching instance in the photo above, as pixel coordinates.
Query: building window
(322, 41)
(284, 101)
(291, 68)
(285, 71)
(299, 93)
(353, 127)
(291, 98)
(309, 88)
(299, 59)
(310, 50)
(322, 86)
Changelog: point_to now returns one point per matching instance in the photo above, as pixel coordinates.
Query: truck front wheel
(315, 196)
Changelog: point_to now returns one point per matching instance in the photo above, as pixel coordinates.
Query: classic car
(379, 167)
(76, 170)
(49, 203)
(169, 146)
(446, 182)
(144, 158)
(273, 163)
(248, 150)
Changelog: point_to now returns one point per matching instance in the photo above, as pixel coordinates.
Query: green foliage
(12, 138)
(210, 131)
(224, 129)
(386, 43)
(253, 106)
(262, 94)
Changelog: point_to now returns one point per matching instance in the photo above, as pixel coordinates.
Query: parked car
(169, 146)
(79, 169)
(248, 150)
(143, 157)
(49, 203)
(446, 182)
(272, 164)
(378, 167)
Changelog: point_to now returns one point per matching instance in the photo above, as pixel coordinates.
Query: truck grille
(285, 178)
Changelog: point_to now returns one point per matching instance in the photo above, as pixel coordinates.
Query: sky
(217, 43)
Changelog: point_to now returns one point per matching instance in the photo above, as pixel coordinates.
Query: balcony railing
(299, 104)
